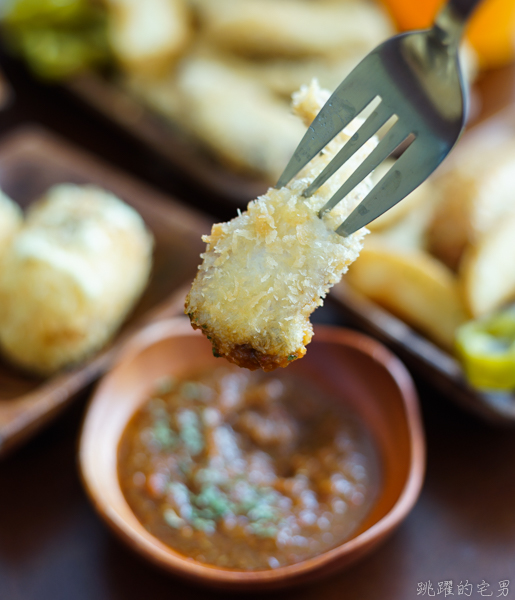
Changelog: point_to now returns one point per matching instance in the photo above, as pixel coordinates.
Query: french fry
(293, 27)
(414, 286)
(147, 36)
(477, 192)
(488, 269)
(243, 122)
(284, 76)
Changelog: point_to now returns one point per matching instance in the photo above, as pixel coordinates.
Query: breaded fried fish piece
(267, 270)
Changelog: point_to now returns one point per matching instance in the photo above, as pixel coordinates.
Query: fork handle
(452, 18)
(463, 8)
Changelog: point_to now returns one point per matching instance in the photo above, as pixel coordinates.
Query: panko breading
(267, 270)
(70, 276)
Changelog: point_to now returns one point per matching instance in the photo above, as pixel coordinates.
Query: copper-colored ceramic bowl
(364, 374)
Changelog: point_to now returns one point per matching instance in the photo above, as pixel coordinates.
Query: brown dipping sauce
(245, 470)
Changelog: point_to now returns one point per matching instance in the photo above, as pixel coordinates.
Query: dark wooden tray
(435, 365)
(31, 160)
(6, 92)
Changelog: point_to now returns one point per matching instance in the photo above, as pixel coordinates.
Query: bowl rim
(162, 555)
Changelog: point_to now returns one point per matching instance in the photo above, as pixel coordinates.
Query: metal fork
(417, 77)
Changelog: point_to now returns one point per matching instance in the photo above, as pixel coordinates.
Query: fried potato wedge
(244, 123)
(477, 191)
(412, 285)
(488, 271)
(147, 36)
(293, 27)
(281, 75)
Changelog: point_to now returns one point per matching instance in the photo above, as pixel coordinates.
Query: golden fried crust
(69, 276)
(265, 271)
(244, 355)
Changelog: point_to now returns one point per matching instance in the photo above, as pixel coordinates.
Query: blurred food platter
(31, 160)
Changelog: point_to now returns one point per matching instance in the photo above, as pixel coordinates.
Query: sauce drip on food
(245, 470)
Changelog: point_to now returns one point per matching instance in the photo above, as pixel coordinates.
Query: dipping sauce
(246, 470)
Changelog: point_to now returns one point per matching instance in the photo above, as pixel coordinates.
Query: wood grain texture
(31, 160)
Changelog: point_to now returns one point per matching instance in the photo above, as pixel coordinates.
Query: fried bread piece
(70, 276)
(267, 270)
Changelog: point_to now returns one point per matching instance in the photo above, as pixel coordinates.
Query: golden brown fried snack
(267, 270)
(293, 28)
(10, 220)
(413, 285)
(146, 36)
(477, 192)
(284, 76)
(486, 271)
(246, 125)
(70, 276)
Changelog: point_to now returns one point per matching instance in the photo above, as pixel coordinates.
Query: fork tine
(409, 171)
(349, 99)
(376, 120)
(395, 136)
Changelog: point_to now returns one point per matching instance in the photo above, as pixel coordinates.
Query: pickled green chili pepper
(486, 348)
(57, 38)
(45, 12)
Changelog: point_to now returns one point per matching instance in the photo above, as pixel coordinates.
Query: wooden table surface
(53, 546)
